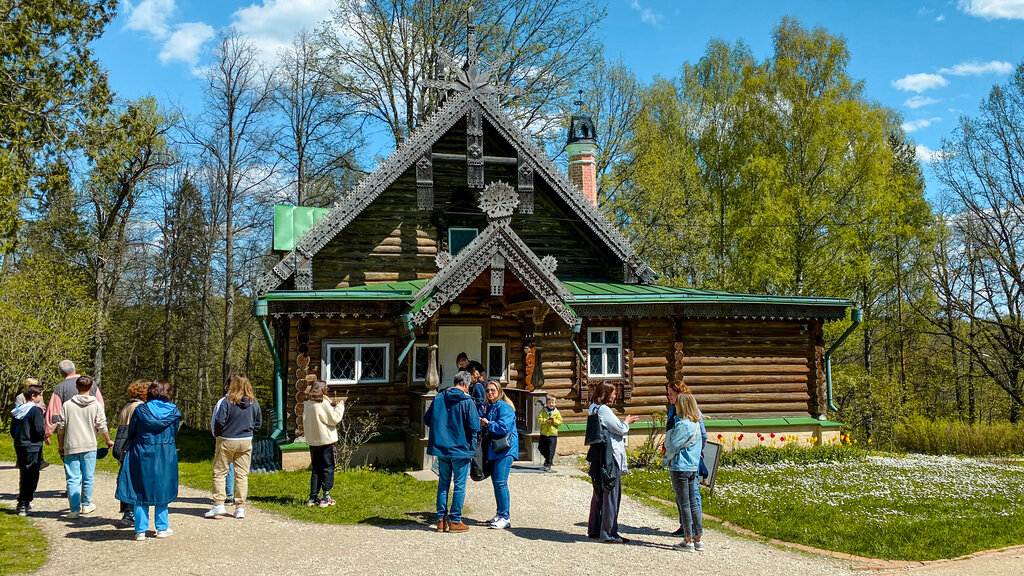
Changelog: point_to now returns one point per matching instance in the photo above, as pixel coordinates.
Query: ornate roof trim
(344, 211)
(497, 239)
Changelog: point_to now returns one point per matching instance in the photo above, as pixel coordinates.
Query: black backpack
(595, 434)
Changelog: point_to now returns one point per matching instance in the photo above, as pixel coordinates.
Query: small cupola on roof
(581, 146)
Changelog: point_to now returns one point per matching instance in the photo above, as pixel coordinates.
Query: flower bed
(893, 507)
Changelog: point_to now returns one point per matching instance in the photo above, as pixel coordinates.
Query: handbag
(478, 468)
(595, 434)
(501, 444)
(121, 440)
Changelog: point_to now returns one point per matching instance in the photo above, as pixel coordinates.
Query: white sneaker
(73, 515)
(88, 508)
(501, 524)
(495, 519)
(140, 536)
(215, 511)
(684, 547)
(698, 546)
(164, 533)
(240, 512)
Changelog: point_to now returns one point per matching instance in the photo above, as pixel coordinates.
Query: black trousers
(547, 447)
(29, 461)
(322, 475)
(604, 511)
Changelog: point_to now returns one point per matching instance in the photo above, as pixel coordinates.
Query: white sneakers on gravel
(684, 547)
(240, 512)
(698, 546)
(140, 536)
(501, 524)
(215, 511)
(88, 508)
(73, 515)
(164, 533)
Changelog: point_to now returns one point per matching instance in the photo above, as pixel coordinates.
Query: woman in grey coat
(603, 523)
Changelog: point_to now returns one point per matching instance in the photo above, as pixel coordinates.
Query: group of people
(145, 446)
(465, 432)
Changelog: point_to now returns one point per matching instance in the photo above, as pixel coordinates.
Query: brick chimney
(581, 146)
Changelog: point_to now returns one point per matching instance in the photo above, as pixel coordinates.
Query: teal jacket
(682, 446)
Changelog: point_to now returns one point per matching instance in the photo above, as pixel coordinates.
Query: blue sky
(931, 61)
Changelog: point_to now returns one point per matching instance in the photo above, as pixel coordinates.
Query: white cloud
(272, 24)
(927, 155)
(940, 18)
(151, 16)
(914, 125)
(184, 43)
(920, 82)
(919, 101)
(976, 68)
(646, 14)
(993, 9)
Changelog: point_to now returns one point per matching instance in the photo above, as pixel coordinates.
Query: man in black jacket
(28, 432)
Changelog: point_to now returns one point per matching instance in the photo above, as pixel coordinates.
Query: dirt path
(548, 536)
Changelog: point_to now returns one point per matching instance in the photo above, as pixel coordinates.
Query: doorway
(454, 339)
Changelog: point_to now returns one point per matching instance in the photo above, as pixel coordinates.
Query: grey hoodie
(80, 420)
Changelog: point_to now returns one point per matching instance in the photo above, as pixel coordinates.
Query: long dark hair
(159, 390)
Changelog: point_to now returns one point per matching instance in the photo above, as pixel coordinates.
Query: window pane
(612, 359)
(343, 363)
(611, 337)
(420, 361)
(595, 337)
(495, 361)
(596, 361)
(374, 359)
(458, 238)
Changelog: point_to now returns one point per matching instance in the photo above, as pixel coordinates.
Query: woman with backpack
(603, 523)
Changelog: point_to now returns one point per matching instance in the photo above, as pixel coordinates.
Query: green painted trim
(291, 222)
(708, 423)
(397, 436)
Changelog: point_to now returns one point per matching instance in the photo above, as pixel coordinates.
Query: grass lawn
(22, 546)
(892, 507)
(383, 497)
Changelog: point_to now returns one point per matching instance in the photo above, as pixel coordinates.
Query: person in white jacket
(320, 419)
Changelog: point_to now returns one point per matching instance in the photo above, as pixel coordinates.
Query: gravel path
(548, 536)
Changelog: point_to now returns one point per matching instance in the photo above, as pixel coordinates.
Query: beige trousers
(240, 453)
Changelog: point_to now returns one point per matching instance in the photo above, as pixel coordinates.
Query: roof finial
(579, 101)
(470, 78)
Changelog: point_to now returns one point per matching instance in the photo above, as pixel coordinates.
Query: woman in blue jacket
(500, 422)
(149, 473)
(682, 456)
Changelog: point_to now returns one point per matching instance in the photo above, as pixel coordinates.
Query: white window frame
(325, 356)
(460, 229)
(413, 367)
(504, 360)
(602, 373)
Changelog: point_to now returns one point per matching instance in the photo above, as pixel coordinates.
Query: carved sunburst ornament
(550, 263)
(498, 200)
(443, 259)
(470, 78)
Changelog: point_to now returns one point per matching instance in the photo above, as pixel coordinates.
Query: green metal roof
(291, 222)
(585, 293)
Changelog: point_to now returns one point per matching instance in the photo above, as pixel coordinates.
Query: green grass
(22, 546)
(896, 508)
(383, 497)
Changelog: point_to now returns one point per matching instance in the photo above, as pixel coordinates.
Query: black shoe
(678, 531)
(127, 519)
(22, 510)
(44, 465)
(624, 539)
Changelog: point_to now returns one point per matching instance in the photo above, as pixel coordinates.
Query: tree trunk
(101, 313)
(1013, 380)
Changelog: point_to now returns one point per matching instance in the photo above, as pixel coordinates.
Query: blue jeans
(449, 469)
(499, 479)
(229, 483)
(696, 493)
(160, 518)
(80, 470)
(689, 511)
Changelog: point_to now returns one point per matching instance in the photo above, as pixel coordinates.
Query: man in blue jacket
(454, 423)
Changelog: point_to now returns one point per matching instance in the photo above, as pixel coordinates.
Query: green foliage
(880, 507)
(23, 548)
(922, 435)
(648, 454)
(46, 315)
(796, 454)
(59, 87)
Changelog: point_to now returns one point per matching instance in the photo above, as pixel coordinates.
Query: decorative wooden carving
(525, 187)
(497, 275)
(304, 275)
(425, 182)
(474, 148)
(472, 96)
(529, 363)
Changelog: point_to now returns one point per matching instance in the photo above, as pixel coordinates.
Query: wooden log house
(469, 239)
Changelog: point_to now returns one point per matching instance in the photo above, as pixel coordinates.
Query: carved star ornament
(498, 200)
(470, 79)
